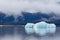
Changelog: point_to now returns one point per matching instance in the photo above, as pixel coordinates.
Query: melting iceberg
(41, 28)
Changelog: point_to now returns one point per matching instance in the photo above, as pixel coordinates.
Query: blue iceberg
(29, 28)
(52, 28)
(40, 28)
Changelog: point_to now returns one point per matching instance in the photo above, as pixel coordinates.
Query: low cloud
(15, 7)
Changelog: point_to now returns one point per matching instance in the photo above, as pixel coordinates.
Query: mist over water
(17, 32)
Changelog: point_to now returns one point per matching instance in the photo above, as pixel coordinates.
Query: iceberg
(52, 28)
(40, 28)
(29, 28)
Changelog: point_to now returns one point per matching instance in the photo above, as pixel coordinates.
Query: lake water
(17, 32)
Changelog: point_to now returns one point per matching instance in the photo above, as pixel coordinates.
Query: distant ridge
(28, 18)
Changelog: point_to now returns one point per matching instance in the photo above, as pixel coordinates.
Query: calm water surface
(17, 32)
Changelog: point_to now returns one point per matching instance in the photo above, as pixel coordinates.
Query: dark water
(17, 32)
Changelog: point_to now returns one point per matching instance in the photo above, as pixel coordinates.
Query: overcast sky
(15, 7)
